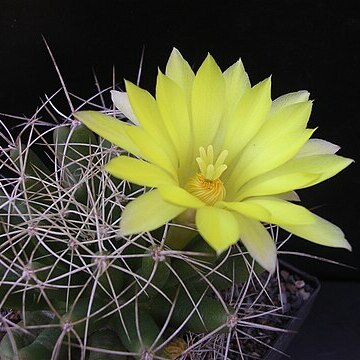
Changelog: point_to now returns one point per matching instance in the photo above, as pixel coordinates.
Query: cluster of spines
(83, 290)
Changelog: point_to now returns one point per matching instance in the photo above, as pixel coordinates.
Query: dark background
(311, 45)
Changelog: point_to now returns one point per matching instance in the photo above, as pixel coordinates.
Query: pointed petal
(279, 139)
(147, 112)
(237, 83)
(271, 210)
(147, 212)
(175, 113)
(317, 147)
(288, 99)
(273, 183)
(138, 172)
(263, 155)
(207, 102)
(131, 138)
(286, 120)
(325, 165)
(258, 242)
(109, 128)
(247, 209)
(289, 196)
(247, 118)
(219, 227)
(295, 174)
(153, 150)
(179, 196)
(281, 211)
(320, 232)
(121, 101)
(180, 71)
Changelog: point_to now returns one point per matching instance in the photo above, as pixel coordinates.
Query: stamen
(206, 164)
(207, 185)
(208, 191)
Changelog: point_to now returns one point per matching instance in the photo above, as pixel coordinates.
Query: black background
(310, 45)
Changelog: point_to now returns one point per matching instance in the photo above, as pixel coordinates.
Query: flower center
(206, 185)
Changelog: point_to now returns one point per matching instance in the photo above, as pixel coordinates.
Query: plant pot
(283, 340)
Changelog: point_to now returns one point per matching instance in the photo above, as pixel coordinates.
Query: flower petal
(262, 156)
(131, 138)
(121, 101)
(289, 196)
(281, 211)
(247, 118)
(147, 112)
(109, 128)
(153, 150)
(320, 232)
(258, 242)
(325, 165)
(179, 196)
(237, 83)
(180, 71)
(248, 209)
(138, 171)
(271, 210)
(219, 227)
(279, 139)
(286, 120)
(175, 113)
(146, 213)
(317, 147)
(289, 99)
(273, 183)
(207, 102)
(295, 174)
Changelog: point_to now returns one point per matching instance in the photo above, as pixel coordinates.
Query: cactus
(84, 290)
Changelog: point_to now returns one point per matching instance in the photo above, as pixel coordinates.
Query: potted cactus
(150, 230)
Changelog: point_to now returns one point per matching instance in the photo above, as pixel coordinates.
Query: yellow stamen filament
(207, 185)
(209, 191)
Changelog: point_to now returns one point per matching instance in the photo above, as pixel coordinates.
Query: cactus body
(62, 254)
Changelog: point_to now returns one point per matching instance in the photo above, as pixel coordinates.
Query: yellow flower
(221, 153)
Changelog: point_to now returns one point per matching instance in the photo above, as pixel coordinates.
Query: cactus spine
(84, 291)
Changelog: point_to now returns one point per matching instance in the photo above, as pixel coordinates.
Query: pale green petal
(258, 242)
(154, 151)
(121, 101)
(320, 232)
(325, 165)
(179, 196)
(289, 196)
(248, 209)
(138, 171)
(264, 155)
(180, 71)
(317, 147)
(219, 227)
(131, 138)
(295, 174)
(288, 99)
(146, 213)
(281, 211)
(271, 210)
(110, 129)
(286, 120)
(247, 118)
(278, 140)
(207, 102)
(237, 83)
(276, 183)
(147, 112)
(175, 113)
